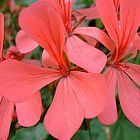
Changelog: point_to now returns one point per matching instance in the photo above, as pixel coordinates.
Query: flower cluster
(87, 80)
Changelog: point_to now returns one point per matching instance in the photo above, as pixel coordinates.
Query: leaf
(97, 130)
(24, 2)
(81, 135)
(33, 133)
(124, 130)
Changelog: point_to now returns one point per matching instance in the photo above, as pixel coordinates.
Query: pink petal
(89, 13)
(24, 43)
(107, 12)
(65, 114)
(23, 80)
(32, 61)
(129, 20)
(90, 90)
(98, 35)
(116, 3)
(129, 96)
(136, 42)
(84, 55)
(29, 111)
(0, 98)
(6, 114)
(90, 40)
(37, 22)
(1, 34)
(109, 114)
(134, 72)
(48, 61)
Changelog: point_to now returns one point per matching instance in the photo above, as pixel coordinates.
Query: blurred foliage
(90, 129)
(33, 133)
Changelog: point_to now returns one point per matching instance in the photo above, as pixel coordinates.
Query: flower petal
(84, 55)
(29, 111)
(98, 35)
(1, 34)
(129, 96)
(129, 21)
(24, 43)
(19, 80)
(137, 42)
(6, 114)
(90, 90)
(134, 72)
(107, 10)
(37, 22)
(48, 61)
(109, 114)
(69, 112)
(89, 13)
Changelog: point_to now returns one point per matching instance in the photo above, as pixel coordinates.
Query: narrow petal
(106, 10)
(98, 35)
(134, 72)
(20, 80)
(6, 114)
(129, 96)
(24, 43)
(69, 111)
(1, 34)
(84, 55)
(37, 22)
(90, 90)
(129, 21)
(109, 114)
(31, 109)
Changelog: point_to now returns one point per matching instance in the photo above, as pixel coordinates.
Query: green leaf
(24, 2)
(124, 130)
(81, 135)
(33, 133)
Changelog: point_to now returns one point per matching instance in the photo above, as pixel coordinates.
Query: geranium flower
(30, 108)
(78, 95)
(74, 36)
(120, 74)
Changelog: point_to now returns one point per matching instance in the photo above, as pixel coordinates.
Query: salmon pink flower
(78, 95)
(121, 74)
(75, 46)
(30, 108)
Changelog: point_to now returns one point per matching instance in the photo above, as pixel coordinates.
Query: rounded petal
(6, 114)
(90, 90)
(84, 55)
(97, 34)
(24, 43)
(48, 32)
(109, 114)
(129, 96)
(65, 114)
(23, 80)
(29, 111)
